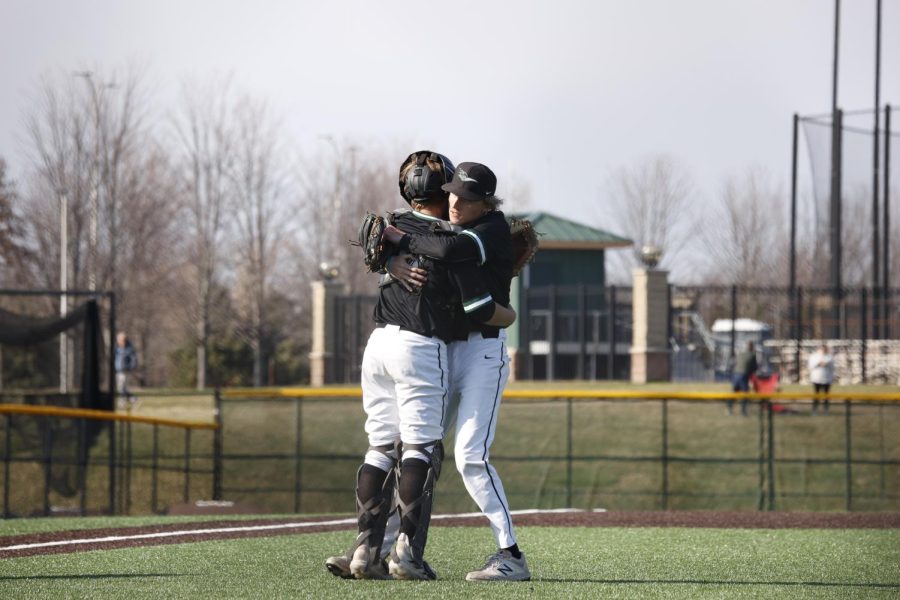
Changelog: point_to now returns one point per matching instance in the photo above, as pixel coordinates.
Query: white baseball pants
(479, 369)
(405, 383)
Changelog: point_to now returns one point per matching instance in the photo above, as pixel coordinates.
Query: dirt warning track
(60, 542)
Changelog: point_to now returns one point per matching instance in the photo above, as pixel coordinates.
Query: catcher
(479, 365)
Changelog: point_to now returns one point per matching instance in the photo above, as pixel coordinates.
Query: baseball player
(479, 365)
(405, 381)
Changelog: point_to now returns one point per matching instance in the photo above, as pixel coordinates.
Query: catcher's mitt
(524, 241)
(369, 239)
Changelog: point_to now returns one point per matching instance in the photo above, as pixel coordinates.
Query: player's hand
(392, 234)
(403, 268)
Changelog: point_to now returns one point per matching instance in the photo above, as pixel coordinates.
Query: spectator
(126, 361)
(821, 374)
(745, 366)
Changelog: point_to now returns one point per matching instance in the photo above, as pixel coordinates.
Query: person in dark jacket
(126, 361)
(744, 367)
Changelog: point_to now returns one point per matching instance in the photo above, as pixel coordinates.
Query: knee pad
(384, 457)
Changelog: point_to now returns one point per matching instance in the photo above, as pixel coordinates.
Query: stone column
(321, 357)
(650, 354)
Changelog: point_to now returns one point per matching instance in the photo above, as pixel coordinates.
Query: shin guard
(426, 500)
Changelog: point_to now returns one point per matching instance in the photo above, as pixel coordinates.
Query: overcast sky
(555, 93)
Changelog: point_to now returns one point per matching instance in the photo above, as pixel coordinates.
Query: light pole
(97, 174)
(63, 286)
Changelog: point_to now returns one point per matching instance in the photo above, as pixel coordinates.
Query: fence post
(771, 435)
(218, 439)
(82, 466)
(112, 467)
(847, 441)
(187, 463)
(129, 459)
(665, 454)
(298, 452)
(568, 453)
(7, 456)
(121, 457)
(761, 460)
(48, 462)
(154, 470)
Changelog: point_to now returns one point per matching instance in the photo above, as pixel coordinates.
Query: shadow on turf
(702, 582)
(102, 576)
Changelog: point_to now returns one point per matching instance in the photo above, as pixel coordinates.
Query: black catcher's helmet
(422, 184)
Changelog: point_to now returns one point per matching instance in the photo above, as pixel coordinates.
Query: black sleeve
(492, 238)
(440, 246)
(477, 302)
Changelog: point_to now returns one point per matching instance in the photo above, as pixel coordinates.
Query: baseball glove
(524, 241)
(369, 238)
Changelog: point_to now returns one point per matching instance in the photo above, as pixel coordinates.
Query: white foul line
(295, 525)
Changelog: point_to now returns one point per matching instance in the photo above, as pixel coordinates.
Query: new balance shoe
(502, 566)
(403, 565)
(364, 566)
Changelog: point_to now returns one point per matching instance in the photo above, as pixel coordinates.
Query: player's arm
(477, 302)
(441, 246)
(503, 316)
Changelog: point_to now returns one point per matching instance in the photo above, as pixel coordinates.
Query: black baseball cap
(472, 181)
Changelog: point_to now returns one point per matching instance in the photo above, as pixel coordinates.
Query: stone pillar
(321, 357)
(514, 360)
(650, 354)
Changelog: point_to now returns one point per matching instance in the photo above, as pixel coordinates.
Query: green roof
(558, 232)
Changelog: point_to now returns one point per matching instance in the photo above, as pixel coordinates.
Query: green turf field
(566, 562)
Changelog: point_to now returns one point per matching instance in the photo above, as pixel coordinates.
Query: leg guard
(372, 516)
(425, 501)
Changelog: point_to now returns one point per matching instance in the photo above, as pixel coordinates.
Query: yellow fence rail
(563, 394)
(98, 415)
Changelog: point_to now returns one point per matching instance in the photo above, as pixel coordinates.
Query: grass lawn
(566, 563)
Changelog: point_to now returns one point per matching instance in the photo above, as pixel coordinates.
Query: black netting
(857, 188)
(31, 343)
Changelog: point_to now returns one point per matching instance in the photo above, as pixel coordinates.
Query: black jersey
(486, 239)
(434, 309)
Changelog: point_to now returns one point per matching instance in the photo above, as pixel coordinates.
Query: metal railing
(119, 459)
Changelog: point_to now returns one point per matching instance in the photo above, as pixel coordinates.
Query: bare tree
(61, 156)
(745, 234)
(204, 159)
(259, 180)
(15, 257)
(651, 203)
(90, 142)
(340, 186)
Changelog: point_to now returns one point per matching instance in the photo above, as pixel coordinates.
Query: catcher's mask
(422, 184)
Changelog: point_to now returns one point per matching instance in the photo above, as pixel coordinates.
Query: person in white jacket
(821, 374)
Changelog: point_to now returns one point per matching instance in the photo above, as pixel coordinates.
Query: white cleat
(403, 564)
(363, 567)
(339, 566)
(502, 566)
